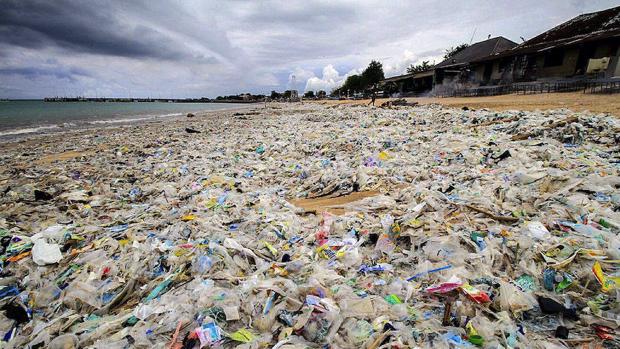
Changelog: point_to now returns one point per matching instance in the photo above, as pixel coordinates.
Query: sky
(188, 48)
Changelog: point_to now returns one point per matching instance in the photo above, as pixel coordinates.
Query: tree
(321, 94)
(275, 95)
(309, 94)
(358, 83)
(354, 83)
(418, 68)
(372, 74)
(454, 50)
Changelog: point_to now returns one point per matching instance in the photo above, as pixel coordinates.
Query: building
(409, 84)
(585, 47)
(455, 70)
(459, 71)
(579, 53)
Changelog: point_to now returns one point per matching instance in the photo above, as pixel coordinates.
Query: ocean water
(35, 116)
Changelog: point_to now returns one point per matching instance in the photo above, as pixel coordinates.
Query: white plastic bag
(44, 253)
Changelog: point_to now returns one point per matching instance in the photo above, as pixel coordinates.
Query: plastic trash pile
(490, 229)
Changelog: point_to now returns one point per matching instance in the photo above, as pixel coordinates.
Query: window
(554, 58)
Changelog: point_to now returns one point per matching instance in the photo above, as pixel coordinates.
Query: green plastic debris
(393, 299)
(526, 283)
(242, 335)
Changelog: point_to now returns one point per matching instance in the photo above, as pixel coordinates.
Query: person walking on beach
(373, 96)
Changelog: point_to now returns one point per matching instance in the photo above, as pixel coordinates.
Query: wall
(616, 72)
(478, 69)
(478, 73)
(496, 74)
(567, 68)
(604, 50)
(613, 70)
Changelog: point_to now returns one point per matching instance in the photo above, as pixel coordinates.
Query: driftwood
(398, 102)
(488, 123)
(492, 215)
(247, 113)
(120, 299)
(191, 130)
(524, 136)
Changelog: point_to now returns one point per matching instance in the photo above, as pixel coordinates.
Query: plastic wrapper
(305, 226)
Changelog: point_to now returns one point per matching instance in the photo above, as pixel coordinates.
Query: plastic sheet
(428, 228)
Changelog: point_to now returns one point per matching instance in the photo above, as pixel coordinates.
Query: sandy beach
(576, 101)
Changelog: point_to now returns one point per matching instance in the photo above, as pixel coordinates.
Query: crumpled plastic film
(306, 225)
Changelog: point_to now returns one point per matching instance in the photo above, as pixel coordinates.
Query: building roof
(587, 27)
(397, 78)
(477, 51)
(418, 75)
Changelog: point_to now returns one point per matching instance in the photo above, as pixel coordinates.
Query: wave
(20, 131)
(82, 124)
(118, 121)
(72, 125)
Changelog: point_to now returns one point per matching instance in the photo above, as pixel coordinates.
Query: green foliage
(424, 66)
(372, 74)
(354, 83)
(454, 50)
(359, 83)
(309, 94)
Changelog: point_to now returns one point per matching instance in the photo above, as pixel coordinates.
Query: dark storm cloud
(84, 27)
(33, 73)
(194, 48)
(320, 17)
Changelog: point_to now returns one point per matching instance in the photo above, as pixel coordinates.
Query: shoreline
(13, 135)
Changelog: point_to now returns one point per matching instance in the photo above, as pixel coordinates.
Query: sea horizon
(30, 116)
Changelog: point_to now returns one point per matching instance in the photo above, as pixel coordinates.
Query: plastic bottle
(202, 263)
(358, 331)
(478, 239)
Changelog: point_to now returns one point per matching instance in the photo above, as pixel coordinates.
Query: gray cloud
(59, 73)
(206, 48)
(84, 27)
(320, 17)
